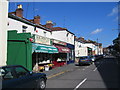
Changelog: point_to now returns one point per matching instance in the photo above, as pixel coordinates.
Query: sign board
(41, 40)
(59, 42)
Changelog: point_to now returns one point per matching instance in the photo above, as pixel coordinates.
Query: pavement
(101, 74)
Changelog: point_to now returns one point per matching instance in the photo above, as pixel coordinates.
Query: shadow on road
(109, 71)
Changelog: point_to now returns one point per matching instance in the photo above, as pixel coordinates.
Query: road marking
(56, 75)
(83, 69)
(95, 69)
(80, 84)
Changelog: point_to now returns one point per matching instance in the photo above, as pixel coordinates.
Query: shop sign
(59, 42)
(42, 40)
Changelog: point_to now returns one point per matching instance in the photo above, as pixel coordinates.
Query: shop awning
(63, 49)
(43, 48)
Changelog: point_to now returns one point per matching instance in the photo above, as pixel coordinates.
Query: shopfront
(89, 51)
(42, 52)
(72, 53)
(62, 57)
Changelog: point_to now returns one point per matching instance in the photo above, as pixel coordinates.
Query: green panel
(19, 49)
(16, 53)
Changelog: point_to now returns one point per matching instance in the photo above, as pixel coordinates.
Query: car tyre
(41, 84)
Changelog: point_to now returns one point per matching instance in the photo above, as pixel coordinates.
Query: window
(67, 34)
(21, 72)
(44, 34)
(51, 33)
(24, 29)
(6, 73)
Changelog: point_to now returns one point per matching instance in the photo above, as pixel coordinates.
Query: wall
(62, 36)
(17, 25)
(59, 35)
(80, 49)
(41, 33)
(70, 38)
(3, 31)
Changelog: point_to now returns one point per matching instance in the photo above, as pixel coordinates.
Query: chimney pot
(49, 24)
(19, 6)
(19, 11)
(36, 19)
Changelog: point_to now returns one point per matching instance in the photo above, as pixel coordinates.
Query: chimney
(49, 24)
(81, 38)
(36, 19)
(19, 11)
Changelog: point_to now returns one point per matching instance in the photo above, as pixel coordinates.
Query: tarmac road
(101, 74)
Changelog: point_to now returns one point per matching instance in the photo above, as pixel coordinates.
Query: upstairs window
(44, 34)
(24, 29)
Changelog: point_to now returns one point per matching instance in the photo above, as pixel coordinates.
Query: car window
(7, 73)
(83, 57)
(20, 71)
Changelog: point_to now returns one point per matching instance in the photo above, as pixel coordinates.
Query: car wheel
(41, 84)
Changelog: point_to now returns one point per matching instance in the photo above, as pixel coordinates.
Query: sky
(90, 20)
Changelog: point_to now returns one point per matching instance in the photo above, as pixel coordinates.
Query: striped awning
(43, 48)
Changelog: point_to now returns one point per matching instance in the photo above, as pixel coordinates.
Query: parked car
(93, 58)
(16, 76)
(98, 57)
(85, 60)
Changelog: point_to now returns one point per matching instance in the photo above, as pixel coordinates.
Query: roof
(60, 29)
(24, 20)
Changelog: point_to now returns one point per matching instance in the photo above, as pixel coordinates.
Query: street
(101, 74)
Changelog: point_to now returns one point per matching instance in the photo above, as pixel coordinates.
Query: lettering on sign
(42, 40)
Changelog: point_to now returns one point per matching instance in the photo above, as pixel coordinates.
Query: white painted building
(80, 49)
(18, 22)
(3, 31)
(63, 35)
(23, 26)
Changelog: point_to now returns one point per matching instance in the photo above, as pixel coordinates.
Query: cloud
(116, 19)
(98, 30)
(114, 11)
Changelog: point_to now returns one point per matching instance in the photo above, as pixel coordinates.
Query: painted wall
(63, 36)
(43, 33)
(19, 49)
(3, 31)
(80, 49)
(17, 25)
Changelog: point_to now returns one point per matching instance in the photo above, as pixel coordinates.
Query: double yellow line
(56, 74)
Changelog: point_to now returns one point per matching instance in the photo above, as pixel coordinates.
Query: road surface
(101, 74)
